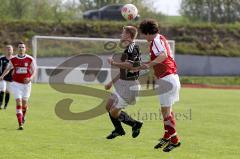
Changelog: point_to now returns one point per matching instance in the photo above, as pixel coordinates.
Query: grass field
(208, 123)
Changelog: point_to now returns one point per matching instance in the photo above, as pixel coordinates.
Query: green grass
(210, 132)
(211, 80)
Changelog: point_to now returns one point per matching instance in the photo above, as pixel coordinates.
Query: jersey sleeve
(157, 47)
(133, 56)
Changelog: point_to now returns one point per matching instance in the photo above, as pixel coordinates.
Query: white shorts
(20, 90)
(4, 86)
(125, 93)
(168, 90)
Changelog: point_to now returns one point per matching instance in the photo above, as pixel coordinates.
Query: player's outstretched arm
(161, 57)
(122, 65)
(5, 72)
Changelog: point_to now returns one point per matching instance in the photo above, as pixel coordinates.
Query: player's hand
(110, 60)
(136, 69)
(1, 78)
(108, 86)
(144, 67)
(27, 80)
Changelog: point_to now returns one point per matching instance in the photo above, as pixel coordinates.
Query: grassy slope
(212, 131)
(196, 38)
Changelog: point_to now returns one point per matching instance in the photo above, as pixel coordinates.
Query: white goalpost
(51, 51)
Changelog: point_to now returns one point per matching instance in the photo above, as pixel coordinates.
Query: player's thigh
(3, 86)
(17, 90)
(118, 101)
(126, 93)
(27, 91)
(110, 103)
(169, 97)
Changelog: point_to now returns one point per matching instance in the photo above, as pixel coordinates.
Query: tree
(219, 11)
(41, 10)
(4, 12)
(19, 9)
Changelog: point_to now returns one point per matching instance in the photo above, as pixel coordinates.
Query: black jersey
(131, 54)
(3, 64)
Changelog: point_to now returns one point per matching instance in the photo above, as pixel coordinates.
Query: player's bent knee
(18, 101)
(24, 102)
(166, 111)
(115, 112)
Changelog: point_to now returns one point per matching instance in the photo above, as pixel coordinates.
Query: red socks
(19, 114)
(170, 129)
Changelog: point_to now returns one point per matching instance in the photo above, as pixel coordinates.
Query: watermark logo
(95, 63)
(152, 116)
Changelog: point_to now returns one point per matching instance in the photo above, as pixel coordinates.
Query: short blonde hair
(132, 31)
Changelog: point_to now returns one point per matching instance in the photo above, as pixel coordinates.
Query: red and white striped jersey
(23, 67)
(168, 66)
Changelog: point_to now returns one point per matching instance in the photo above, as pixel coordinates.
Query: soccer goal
(54, 52)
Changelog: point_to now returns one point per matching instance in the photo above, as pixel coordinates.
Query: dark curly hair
(149, 26)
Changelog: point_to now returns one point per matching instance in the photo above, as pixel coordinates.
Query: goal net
(84, 59)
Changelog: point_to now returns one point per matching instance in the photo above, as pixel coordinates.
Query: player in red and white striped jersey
(165, 70)
(24, 69)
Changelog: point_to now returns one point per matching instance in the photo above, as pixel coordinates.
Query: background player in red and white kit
(165, 70)
(24, 70)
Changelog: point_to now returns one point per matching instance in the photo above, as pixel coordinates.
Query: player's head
(21, 48)
(8, 49)
(149, 27)
(129, 33)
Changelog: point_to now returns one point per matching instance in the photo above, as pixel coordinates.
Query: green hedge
(196, 38)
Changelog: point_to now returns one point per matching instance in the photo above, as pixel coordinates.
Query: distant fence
(188, 65)
(208, 65)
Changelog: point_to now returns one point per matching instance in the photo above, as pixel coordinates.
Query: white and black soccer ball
(129, 11)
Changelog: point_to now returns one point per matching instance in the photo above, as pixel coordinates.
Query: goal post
(51, 51)
(36, 40)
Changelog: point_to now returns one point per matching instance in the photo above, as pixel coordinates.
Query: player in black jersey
(4, 84)
(126, 85)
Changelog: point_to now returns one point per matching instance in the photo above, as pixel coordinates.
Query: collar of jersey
(21, 57)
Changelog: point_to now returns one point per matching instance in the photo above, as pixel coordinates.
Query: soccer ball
(129, 11)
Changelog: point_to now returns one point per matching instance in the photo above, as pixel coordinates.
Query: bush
(196, 38)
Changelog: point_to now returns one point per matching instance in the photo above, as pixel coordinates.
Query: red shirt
(168, 66)
(23, 67)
